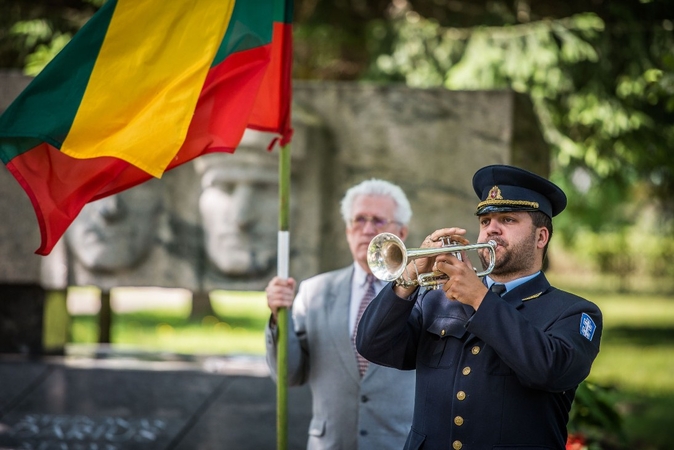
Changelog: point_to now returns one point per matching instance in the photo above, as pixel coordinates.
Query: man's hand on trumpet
(463, 284)
(423, 265)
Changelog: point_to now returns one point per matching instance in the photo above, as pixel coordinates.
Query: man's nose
(493, 228)
(369, 227)
(243, 206)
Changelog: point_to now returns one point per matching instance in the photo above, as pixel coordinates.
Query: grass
(637, 349)
(237, 327)
(636, 358)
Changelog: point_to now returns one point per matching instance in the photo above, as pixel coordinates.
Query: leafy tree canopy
(600, 73)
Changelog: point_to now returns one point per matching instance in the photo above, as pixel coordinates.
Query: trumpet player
(497, 360)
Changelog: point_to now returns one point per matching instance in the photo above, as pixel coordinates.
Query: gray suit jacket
(374, 412)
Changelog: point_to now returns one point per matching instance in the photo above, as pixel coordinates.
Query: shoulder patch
(587, 326)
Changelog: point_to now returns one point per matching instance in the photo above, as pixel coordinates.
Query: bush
(627, 253)
(594, 422)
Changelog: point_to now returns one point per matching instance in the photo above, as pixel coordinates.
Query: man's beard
(517, 258)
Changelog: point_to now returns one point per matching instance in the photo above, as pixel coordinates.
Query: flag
(272, 109)
(141, 89)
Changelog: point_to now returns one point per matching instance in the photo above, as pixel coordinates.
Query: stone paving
(139, 402)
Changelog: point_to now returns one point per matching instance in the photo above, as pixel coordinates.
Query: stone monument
(212, 223)
(127, 239)
(22, 295)
(238, 208)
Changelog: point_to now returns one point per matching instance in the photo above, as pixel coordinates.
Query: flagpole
(282, 318)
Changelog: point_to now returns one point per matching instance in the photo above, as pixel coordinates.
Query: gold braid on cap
(495, 198)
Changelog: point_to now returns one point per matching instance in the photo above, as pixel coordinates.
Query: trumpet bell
(386, 256)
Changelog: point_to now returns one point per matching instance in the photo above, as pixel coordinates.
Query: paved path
(127, 402)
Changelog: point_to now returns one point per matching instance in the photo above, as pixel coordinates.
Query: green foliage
(594, 415)
(44, 53)
(45, 42)
(27, 27)
(602, 88)
(34, 31)
(319, 51)
(635, 365)
(628, 253)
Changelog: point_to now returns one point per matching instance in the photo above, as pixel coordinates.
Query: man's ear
(403, 232)
(542, 237)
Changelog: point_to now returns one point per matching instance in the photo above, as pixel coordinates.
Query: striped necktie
(367, 298)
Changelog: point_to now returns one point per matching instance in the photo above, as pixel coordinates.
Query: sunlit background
(600, 74)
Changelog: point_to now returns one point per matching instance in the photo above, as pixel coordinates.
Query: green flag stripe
(283, 11)
(250, 27)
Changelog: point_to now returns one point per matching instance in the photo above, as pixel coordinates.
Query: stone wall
(430, 142)
(19, 234)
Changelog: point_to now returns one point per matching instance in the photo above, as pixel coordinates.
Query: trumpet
(388, 258)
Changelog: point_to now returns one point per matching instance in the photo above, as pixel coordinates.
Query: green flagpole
(283, 272)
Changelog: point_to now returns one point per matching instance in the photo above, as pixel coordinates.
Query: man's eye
(378, 222)
(224, 186)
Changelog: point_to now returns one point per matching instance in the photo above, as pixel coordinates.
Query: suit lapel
(528, 291)
(338, 305)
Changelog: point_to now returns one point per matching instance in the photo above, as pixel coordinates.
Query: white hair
(403, 212)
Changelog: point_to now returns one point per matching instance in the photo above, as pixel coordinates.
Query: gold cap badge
(494, 198)
(495, 194)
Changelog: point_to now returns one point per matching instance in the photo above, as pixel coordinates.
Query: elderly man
(497, 362)
(353, 406)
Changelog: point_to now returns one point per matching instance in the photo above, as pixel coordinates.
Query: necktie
(498, 288)
(367, 298)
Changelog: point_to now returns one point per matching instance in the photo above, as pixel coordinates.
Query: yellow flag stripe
(146, 81)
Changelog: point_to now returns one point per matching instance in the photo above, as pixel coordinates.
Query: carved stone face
(116, 232)
(239, 213)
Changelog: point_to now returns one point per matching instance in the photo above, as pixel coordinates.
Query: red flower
(575, 442)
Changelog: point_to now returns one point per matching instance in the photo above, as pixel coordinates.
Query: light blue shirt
(512, 284)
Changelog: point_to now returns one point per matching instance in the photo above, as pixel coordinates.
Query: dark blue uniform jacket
(501, 377)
